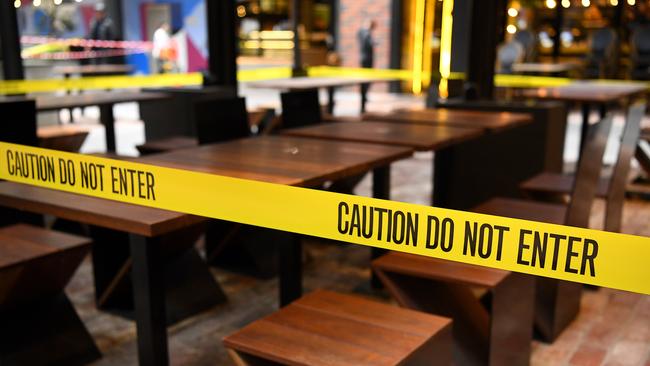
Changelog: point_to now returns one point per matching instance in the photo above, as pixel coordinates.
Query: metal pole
(222, 58)
(557, 25)
(12, 63)
(295, 21)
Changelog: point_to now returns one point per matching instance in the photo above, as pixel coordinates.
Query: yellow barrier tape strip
(567, 253)
(43, 48)
(263, 74)
(100, 82)
(119, 82)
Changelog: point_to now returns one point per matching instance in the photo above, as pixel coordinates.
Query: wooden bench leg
(557, 303)
(290, 267)
(511, 321)
(47, 331)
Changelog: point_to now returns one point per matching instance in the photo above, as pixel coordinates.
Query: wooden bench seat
(550, 183)
(39, 324)
(328, 328)
(522, 209)
(62, 137)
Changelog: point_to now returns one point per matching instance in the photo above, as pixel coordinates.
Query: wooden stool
(327, 328)
(62, 137)
(39, 324)
(551, 186)
(492, 309)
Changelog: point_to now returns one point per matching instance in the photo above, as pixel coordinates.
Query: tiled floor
(613, 327)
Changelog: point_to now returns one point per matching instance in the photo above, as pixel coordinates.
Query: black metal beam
(396, 41)
(12, 63)
(297, 69)
(482, 49)
(222, 42)
(557, 26)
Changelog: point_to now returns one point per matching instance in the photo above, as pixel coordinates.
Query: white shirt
(160, 41)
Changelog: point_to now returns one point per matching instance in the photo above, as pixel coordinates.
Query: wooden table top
(93, 211)
(49, 102)
(282, 159)
(543, 68)
(453, 118)
(588, 91)
(417, 136)
(93, 69)
(306, 82)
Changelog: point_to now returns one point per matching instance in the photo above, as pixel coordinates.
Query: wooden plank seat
(550, 183)
(328, 328)
(62, 137)
(558, 302)
(39, 325)
(489, 328)
(551, 186)
(493, 310)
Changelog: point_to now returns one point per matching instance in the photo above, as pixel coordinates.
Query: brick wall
(352, 14)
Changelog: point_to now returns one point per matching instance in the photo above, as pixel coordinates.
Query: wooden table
(416, 136)
(329, 83)
(104, 100)
(291, 161)
(491, 121)
(591, 93)
(276, 159)
(543, 68)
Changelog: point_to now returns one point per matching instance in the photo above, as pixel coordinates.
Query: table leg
(380, 189)
(290, 268)
(149, 299)
(586, 110)
(107, 119)
(330, 100)
(364, 96)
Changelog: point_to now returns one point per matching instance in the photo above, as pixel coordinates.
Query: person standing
(161, 43)
(102, 28)
(367, 55)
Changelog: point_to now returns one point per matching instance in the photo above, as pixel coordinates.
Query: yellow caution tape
(100, 82)
(567, 253)
(171, 80)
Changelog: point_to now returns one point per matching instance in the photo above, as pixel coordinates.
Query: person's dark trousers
(364, 89)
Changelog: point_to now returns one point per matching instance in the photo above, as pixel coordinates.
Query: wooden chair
(551, 185)
(22, 128)
(492, 309)
(216, 120)
(62, 137)
(20, 121)
(39, 325)
(327, 328)
(300, 108)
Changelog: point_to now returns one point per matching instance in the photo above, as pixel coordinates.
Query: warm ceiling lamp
(513, 12)
(586, 3)
(631, 2)
(551, 4)
(566, 3)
